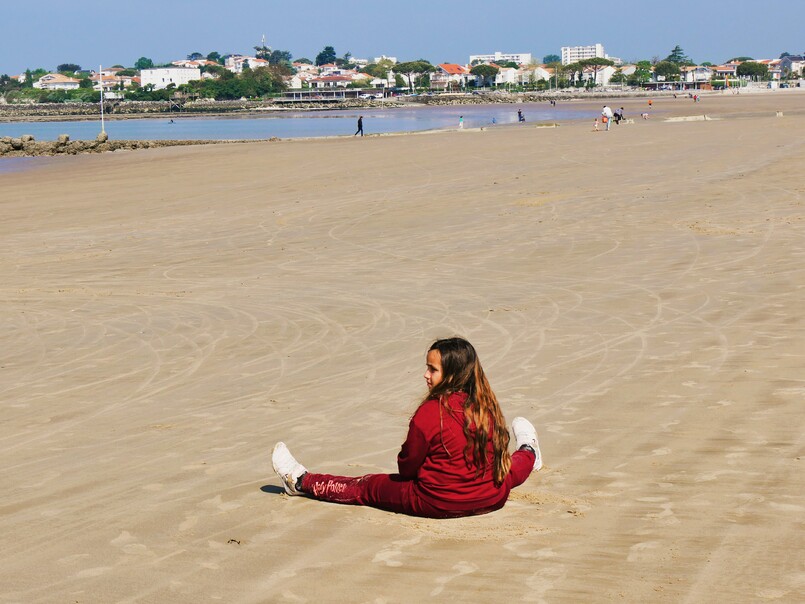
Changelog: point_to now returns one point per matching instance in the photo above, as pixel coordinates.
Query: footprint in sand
(586, 452)
(665, 517)
(462, 568)
(636, 551)
(542, 581)
(92, 572)
(389, 555)
(710, 476)
(128, 544)
(772, 594)
(525, 549)
(787, 507)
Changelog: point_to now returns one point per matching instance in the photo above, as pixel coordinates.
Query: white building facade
(574, 54)
(56, 81)
(162, 77)
(522, 58)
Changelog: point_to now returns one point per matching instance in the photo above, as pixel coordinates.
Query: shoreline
(666, 108)
(225, 109)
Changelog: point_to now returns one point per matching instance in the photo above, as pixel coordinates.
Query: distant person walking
(520, 116)
(461, 122)
(360, 126)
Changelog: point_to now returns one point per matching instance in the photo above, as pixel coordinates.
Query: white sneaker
(288, 469)
(526, 434)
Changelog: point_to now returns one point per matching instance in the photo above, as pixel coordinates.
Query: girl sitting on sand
(455, 460)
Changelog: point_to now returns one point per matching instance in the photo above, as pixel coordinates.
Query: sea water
(297, 124)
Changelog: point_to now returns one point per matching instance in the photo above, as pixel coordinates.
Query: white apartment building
(56, 81)
(162, 77)
(523, 58)
(573, 54)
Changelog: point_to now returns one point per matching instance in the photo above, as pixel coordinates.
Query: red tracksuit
(433, 480)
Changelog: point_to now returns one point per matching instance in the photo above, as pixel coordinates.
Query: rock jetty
(27, 146)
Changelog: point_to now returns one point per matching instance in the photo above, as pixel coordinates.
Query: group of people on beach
(608, 116)
(455, 460)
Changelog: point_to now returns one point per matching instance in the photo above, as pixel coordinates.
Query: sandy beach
(638, 294)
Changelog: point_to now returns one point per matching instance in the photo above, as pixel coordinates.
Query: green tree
(618, 77)
(641, 75)
(68, 68)
(195, 56)
(7, 83)
(304, 60)
(487, 73)
(559, 79)
(547, 59)
(345, 61)
(414, 69)
(596, 63)
(216, 70)
(280, 57)
(667, 70)
(753, 70)
(574, 72)
(678, 57)
(740, 59)
(326, 56)
(374, 70)
(143, 63)
(380, 69)
(251, 83)
(33, 76)
(215, 57)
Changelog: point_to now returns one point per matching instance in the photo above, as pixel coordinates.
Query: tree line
(265, 81)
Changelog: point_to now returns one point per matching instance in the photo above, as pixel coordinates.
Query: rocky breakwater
(26, 146)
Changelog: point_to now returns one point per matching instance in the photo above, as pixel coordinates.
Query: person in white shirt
(606, 116)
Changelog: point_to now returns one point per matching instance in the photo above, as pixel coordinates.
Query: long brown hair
(462, 372)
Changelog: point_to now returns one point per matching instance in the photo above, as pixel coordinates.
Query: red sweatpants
(392, 493)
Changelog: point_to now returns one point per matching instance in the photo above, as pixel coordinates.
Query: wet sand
(169, 314)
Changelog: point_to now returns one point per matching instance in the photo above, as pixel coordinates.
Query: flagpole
(100, 82)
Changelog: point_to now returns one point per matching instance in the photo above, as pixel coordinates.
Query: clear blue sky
(45, 33)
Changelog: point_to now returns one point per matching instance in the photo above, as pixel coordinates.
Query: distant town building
(162, 77)
(236, 63)
(56, 81)
(304, 67)
(695, 74)
(574, 54)
(450, 75)
(189, 63)
(331, 81)
(384, 58)
(792, 64)
(522, 58)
